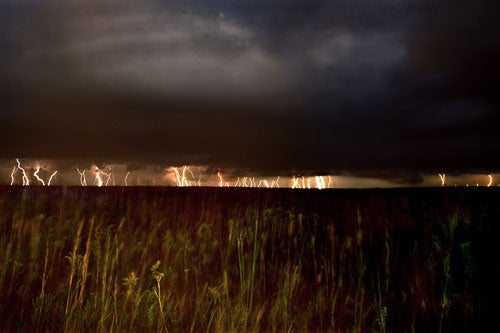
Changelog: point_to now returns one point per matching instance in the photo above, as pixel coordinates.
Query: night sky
(388, 89)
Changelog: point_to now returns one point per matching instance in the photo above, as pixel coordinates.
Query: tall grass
(128, 259)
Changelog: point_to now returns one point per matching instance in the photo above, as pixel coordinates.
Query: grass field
(226, 259)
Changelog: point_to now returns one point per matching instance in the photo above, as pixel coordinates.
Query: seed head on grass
(158, 276)
(130, 282)
(157, 290)
(221, 290)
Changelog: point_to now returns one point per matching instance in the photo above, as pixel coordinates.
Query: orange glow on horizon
(200, 175)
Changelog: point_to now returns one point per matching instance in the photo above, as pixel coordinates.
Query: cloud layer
(382, 88)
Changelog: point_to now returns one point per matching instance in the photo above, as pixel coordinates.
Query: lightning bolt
(320, 182)
(26, 180)
(38, 178)
(192, 176)
(277, 182)
(51, 177)
(263, 181)
(83, 180)
(12, 175)
(180, 179)
(221, 180)
(302, 182)
(184, 179)
(126, 177)
(98, 178)
(491, 180)
(177, 176)
(107, 175)
(199, 178)
(244, 182)
(443, 178)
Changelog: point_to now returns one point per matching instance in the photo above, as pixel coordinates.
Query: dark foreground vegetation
(196, 259)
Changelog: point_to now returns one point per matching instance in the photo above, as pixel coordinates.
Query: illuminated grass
(233, 259)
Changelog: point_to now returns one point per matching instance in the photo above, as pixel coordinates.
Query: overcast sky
(272, 86)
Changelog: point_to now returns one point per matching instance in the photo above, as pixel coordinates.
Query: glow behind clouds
(31, 173)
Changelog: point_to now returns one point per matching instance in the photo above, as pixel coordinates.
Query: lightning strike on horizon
(443, 178)
(265, 182)
(126, 177)
(51, 177)
(244, 182)
(12, 175)
(26, 180)
(221, 180)
(193, 181)
(98, 178)
(182, 181)
(177, 175)
(198, 176)
(109, 174)
(320, 182)
(37, 177)
(83, 179)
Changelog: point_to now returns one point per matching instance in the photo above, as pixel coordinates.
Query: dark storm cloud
(386, 88)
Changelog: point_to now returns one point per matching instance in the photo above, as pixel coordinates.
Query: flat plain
(226, 259)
